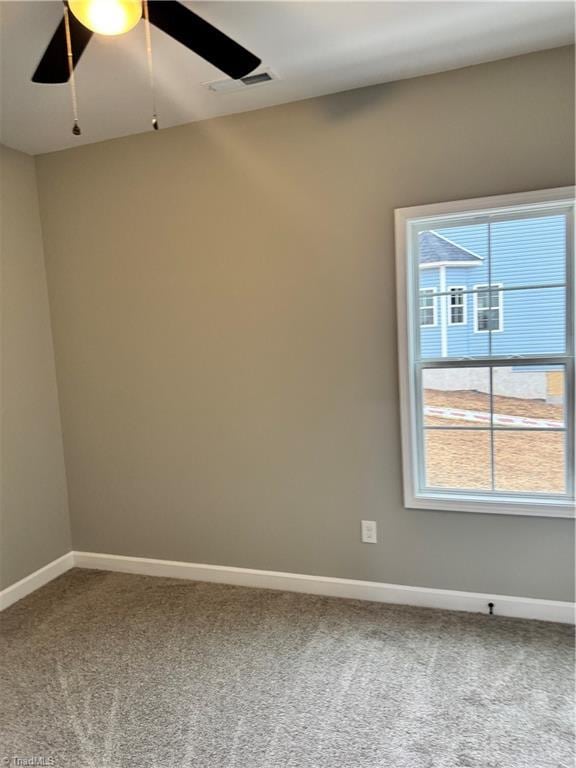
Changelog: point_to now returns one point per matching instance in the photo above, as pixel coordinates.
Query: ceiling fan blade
(53, 66)
(201, 37)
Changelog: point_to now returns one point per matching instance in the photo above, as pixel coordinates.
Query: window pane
(505, 254)
(457, 459)
(532, 322)
(427, 316)
(523, 322)
(488, 320)
(488, 308)
(450, 339)
(483, 299)
(457, 304)
(462, 250)
(456, 315)
(456, 397)
(529, 396)
(528, 251)
(427, 307)
(532, 462)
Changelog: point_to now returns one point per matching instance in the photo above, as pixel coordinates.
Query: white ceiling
(315, 48)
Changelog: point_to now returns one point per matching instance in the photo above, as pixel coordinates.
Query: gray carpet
(102, 670)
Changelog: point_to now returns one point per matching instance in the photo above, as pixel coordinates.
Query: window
(427, 307)
(488, 412)
(487, 308)
(457, 305)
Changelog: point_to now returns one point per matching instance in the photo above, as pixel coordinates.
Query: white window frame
(493, 288)
(431, 292)
(416, 495)
(464, 304)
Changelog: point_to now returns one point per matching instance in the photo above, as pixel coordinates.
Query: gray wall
(34, 526)
(224, 315)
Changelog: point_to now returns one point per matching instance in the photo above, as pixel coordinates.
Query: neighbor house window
(488, 415)
(457, 299)
(427, 306)
(488, 308)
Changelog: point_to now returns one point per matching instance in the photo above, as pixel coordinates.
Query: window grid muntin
(505, 288)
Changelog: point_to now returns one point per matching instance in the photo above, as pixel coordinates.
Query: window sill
(559, 508)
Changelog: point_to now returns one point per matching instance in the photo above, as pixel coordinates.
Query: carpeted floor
(103, 670)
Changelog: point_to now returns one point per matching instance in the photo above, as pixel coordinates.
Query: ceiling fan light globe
(107, 17)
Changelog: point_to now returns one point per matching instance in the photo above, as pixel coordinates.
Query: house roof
(435, 248)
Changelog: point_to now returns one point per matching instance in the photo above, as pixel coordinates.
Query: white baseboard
(36, 580)
(504, 605)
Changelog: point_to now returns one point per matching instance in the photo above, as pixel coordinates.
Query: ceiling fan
(112, 17)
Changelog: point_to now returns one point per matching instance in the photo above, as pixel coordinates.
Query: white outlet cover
(369, 531)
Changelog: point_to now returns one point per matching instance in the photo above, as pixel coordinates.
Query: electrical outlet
(369, 532)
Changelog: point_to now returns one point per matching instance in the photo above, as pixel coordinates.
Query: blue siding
(520, 252)
(528, 252)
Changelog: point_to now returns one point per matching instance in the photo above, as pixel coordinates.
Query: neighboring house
(506, 255)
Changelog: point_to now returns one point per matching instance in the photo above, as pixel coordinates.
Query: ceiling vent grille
(228, 85)
(261, 77)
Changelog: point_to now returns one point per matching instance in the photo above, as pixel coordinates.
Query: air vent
(226, 86)
(261, 77)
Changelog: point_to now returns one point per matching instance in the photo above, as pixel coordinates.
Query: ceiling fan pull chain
(150, 66)
(76, 127)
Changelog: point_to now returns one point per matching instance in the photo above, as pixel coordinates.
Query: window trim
(464, 304)
(500, 293)
(432, 292)
(500, 206)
